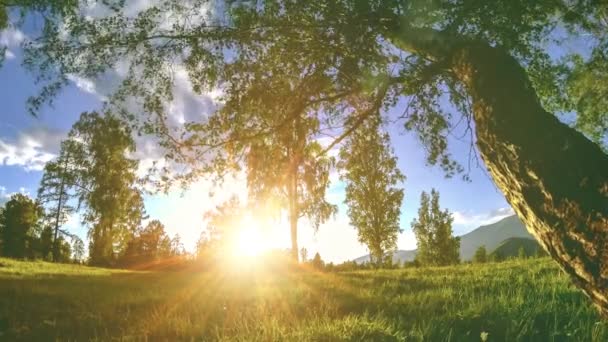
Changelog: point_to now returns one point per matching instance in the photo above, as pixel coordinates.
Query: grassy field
(518, 300)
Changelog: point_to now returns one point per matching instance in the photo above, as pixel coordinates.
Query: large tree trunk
(555, 179)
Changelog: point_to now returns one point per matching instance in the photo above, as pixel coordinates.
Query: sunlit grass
(519, 300)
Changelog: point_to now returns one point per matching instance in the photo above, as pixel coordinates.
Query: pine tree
(433, 228)
(317, 262)
(372, 196)
(56, 189)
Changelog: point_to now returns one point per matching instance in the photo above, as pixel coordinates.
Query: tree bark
(555, 179)
(293, 214)
(59, 208)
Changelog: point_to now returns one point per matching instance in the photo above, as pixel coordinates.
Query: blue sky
(27, 142)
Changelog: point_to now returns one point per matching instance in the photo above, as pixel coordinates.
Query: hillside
(510, 247)
(522, 300)
(490, 236)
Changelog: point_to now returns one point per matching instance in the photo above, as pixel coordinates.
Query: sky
(27, 143)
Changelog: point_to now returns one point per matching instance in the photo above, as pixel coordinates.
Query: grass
(528, 300)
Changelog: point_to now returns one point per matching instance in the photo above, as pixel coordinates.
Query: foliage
(496, 257)
(481, 255)
(588, 90)
(317, 262)
(303, 255)
(221, 233)
(459, 301)
(78, 248)
(64, 251)
(521, 253)
(372, 196)
(433, 228)
(253, 54)
(19, 224)
(12, 13)
(24, 234)
(106, 184)
(45, 244)
(149, 245)
(55, 191)
(285, 167)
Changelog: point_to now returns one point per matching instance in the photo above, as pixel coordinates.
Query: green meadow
(523, 300)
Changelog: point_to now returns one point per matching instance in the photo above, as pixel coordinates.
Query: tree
(303, 255)
(521, 253)
(47, 8)
(490, 61)
(496, 257)
(152, 237)
(177, 247)
(149, 244)
(65, 251)
(371, 176)
(433, 228)
(222, 224)
(78, 249)
(285, 165)
(317, 262)
(46, 243)
(290, 170)
(481, 255)
(106, 184)
(19, 221)
(56, 189)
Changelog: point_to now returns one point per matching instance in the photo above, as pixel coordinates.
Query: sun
(249, 240)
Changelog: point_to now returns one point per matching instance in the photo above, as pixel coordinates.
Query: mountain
(491, 236)
(510, 247)
(399, 255)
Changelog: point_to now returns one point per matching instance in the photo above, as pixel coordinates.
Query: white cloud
(8, 54)
(474, 220)
(5, 195)
(10, 39)
(31, 149)
(84, 84)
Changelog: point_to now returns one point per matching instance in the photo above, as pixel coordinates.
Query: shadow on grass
(43, 307)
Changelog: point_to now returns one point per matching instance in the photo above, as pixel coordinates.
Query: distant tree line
(92, 176)
(24, 234)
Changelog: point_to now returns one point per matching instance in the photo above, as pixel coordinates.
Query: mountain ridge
(490, 235)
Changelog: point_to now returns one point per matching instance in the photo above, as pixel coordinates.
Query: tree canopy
(434, 236)
(106, 183)
(19, 224)
(372, 194)
(476, 66)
